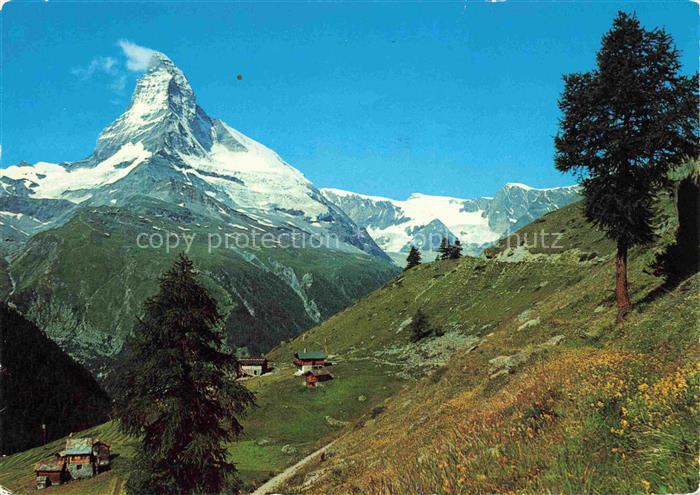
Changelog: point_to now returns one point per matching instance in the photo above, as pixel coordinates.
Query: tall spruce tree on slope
(413, 259)
(179, 394)
(624, 124)
(456, 250)
(445, 248)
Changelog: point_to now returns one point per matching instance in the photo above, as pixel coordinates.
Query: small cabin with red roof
(307, 361)
(311, 378)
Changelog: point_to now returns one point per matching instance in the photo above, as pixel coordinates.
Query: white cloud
(113, 72)
(119, 83)
(107, 68)
(107, 65)
(137, 57)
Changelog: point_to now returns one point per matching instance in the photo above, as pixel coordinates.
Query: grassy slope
(287, 414)
(533, 429)
(610, 409)
(16, 471)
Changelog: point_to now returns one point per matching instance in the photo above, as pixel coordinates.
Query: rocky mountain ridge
(423, 220)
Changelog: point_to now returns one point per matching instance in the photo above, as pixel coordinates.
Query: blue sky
(450, 98)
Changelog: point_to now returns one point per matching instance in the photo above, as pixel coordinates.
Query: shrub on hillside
(420, 327)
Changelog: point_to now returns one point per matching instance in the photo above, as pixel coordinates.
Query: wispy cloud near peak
(137, 57)
(108, 65)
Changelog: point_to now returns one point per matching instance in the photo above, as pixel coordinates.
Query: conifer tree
(179, 393)
(456, 250)
(413, 259)
(420, 326)
(624, 124)
(445, 248)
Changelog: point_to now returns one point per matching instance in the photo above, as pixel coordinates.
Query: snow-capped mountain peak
(517, 185)
(164, 120)
(165, 146)
(163, 114)
(423, 219)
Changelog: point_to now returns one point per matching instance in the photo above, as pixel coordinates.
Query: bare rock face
(529, 324)
(336, 423)
(289, 449)
(502, 365)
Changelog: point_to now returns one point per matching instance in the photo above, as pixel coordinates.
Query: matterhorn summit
(166, 147)
(163, 115)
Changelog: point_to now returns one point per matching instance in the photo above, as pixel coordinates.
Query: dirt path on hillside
(274, 484)
(118, 487)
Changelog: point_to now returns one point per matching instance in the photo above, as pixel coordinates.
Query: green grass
(16, 471)
(556, 232)
(433, 408)
(468, 431)
(256, 462)
(287, 414)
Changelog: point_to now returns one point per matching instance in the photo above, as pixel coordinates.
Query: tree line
(446, 251)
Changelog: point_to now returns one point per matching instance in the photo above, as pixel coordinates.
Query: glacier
(423, 219)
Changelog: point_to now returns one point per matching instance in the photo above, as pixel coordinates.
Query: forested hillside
(45, 394)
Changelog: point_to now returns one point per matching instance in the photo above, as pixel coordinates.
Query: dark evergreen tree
(44, 393)
(413, 259)
(445, 248)
(420, 326)
(179, 394)
(624, 124)
(456, 250)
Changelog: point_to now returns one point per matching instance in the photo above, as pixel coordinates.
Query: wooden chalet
(307, 361)
(253, 366)
(82, 458)
(50, 472)
(79, 458)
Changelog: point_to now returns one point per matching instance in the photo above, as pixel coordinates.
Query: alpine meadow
(471, 266)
